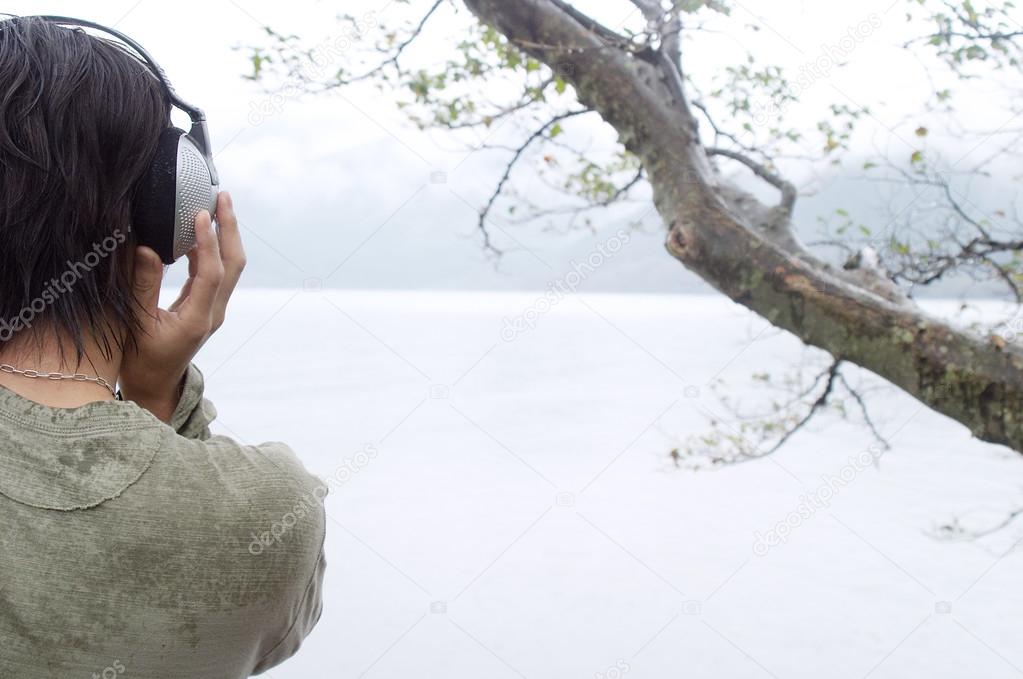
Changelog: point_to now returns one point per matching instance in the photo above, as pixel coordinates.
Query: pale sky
(345, 190)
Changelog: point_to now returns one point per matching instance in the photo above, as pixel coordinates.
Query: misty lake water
(504, 503)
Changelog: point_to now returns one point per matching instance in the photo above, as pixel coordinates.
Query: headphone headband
(199, 132)
(194, 112)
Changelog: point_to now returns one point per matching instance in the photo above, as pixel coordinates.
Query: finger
(182, 296)
(232, 253)
(197, 309)
(146, 279)
(193, 257)
(193, 261)
(231, 249)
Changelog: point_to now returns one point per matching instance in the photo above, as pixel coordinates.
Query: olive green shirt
(130, 547)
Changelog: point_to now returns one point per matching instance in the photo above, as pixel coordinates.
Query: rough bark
(747, 250)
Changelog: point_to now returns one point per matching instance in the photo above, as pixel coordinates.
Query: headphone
(181, 180)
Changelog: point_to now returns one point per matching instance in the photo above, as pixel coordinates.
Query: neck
(45, 357)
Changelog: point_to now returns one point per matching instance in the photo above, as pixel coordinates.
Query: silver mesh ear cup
(195, 192)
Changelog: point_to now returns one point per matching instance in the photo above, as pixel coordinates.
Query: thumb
(147, 278)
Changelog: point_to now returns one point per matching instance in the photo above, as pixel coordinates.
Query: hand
(152, 375)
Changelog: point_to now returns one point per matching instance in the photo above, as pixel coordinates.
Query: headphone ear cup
(195, 192)
(153, 212)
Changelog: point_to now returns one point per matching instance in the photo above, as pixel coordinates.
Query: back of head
(80, 118)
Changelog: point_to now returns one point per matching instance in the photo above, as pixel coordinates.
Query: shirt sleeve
(299, 609)
(305, 610)
(194, 412)
(308, 612)
(299, 598)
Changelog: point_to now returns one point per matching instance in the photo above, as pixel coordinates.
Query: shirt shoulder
(267, 483)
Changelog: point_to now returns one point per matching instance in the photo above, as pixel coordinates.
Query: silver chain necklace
(77, 377)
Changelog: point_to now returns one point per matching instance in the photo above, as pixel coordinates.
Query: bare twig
(819, 403)
(863, 410)
(485, 211)
(787, 188)
(397, 51)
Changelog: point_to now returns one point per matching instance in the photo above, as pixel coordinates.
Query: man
(132, 541)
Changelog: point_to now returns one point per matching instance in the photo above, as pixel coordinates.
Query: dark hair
(80, 118)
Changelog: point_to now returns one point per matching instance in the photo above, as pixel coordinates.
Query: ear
(146, 279)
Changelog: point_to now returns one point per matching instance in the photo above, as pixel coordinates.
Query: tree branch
(819, 403)
(787, 188)
(517, 154)
(398, 51)
(711, 231)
